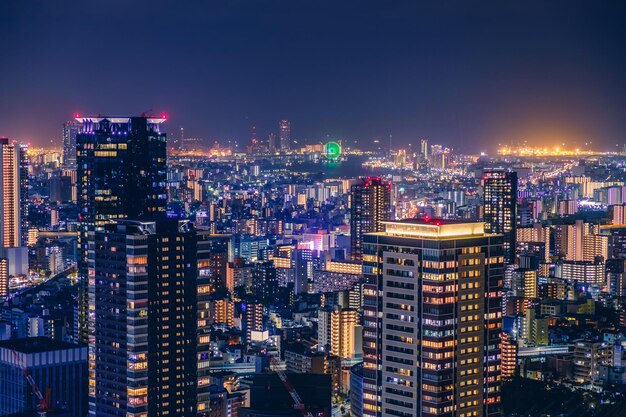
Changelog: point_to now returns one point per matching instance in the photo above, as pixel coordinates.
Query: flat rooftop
(36, 345)
(429, 228)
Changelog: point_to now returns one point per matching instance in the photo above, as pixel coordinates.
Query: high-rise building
(142, 339)
(524, 283)
(252, 318)
(284, 135)
(424, 149)
(432, 320)
(509, 356)
(370, 205)
(4, 279)
(13, 194)
(338, 332)
(58, 368)
(70, 130)
(121, 170)
(271, 142)
(500, 207)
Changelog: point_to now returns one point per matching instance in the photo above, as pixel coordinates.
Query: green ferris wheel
(332, 150)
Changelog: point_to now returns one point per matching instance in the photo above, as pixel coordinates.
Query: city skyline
(312, 209)
(468, 76)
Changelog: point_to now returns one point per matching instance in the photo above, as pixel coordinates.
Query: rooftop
(115, 119)
(36, 345)
(433, 228)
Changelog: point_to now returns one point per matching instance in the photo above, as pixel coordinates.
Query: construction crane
(297, 402)
(44, 402)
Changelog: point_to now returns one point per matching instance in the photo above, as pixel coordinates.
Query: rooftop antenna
(146, 112)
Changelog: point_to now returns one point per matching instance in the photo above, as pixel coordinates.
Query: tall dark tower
(284, 135)
(143, 333)
(500, 208)
(121, 173)
(70, 131)
(370, 205)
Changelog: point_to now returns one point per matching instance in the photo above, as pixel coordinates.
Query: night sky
(468, 74)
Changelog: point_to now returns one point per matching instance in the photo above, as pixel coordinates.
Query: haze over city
(466, 74)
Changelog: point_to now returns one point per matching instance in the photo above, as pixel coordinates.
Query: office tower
(70, 130)
(370, 204)
(500, 206)
(142, 341)
(121, 170)
(284, 135)
(58, 368)
(13, 194)
(432, 320)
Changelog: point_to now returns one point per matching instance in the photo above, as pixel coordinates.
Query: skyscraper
(500, 205)
(121, 171)
(370, 204)
(432, 320)
(13, 194)
(70, 130)
(284, 135)
(4, 279)
(142, 340)
(424, 149)
(271, 142)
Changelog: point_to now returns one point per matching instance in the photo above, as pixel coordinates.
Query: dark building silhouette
(269, 397)
(58, 368)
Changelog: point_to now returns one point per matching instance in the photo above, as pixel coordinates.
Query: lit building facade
(500, 208)
(70, 130)
(4, 279)
(284, 135)
(509, 356)
(370, 205)
(432, 320)
(143, 335)
(13, 194)
(339, 332)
